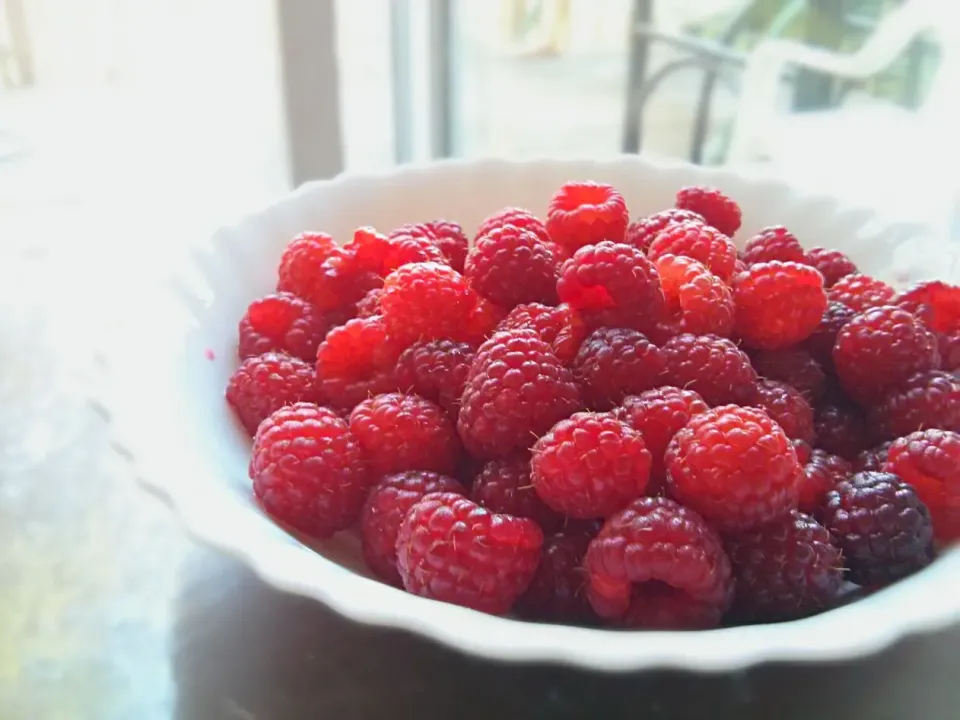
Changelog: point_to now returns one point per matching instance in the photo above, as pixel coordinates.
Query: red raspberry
(658, 415)
(452, 242)
(511, 266)
(585, 213)
(368, 249)
(735, 466)
(697, 241)
(641, 233)
(773, 243)
(405, 432)
(282, 322)
(719, 210)
(482, 321)
(860, 292)
(561, 327)
(436, 370)
(612, 284)
(308, 470)
(930, 461)
(558, 590)
(948, 343)
(453, 550)
(386, 506)
(266, 383)
(516, 390)
(787, 406)
(315, 268)
(426, 301)
(711, 366)
(518, 218)
(590, 465)
(786, 569)
(936, 304)
(881, 348)
(793, 366)
(832, 264)
(369, 304)
(700, 301)
(927, 400)
(821, 342)
(615, 362)
(778, 304)
(882, 527)
(821, 473)
(503, 485)
(840, 430)
(407, 249)
(874, 459)
(654, 551)
(357, 361)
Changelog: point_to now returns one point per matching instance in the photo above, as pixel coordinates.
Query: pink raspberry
(642, 232)
(503, 485)
(716, 208)
(436, 370)
(699, 242)
(561, 327)
(615, 362)
(698, 300)
(264, 384)
(711, 366)
(778, 304)
(773, 243)
(586, 213)
(511, 266)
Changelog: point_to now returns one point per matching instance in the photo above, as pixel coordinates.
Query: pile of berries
(597, 421)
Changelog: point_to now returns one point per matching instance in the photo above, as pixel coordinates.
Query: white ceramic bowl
(172, 424)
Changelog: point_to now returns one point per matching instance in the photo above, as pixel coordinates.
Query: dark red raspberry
(821, 473)
(558, 592)
(511, 266)
(436, 370)
(936, 304)
(927, 400)
(386, 506)
(948, 343)
(561, 327)
(451, 549)
(652, 552)
(265, 383)
(412, 244)
(452, 242)
(697, 241)
(369, 304)
(821, 342)
(405, 432)
(788, 568)
(803, 450)
(699, 301)
(590, 465)
(793, 366)
(612, 284)
(517, 217)
(503, 485)
(861, 292)
(787, 406)
(282, 322)
(874, 459)
(315, 268)
(357, 361)
(308, 470)
(930, 461)
(642, 232)
(426, 301)
(716, 208)
(516, 390)
(735, 466)
(778, 304)
(658, 415)
(840, 430)
(832, 264)
(773, 243)
(881, 348)
(585, 213)
(711, 366)
(882, 527)
(615, 362)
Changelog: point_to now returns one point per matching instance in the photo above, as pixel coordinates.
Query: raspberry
(518, 218)
(773, 243)
(266, 383)
(936, 304)
(585, 213)
(655, 554)
(436, 370)
(700, 302)
(558, 590)
(697, 241)
(786, 569)
(641, 233)
(658, 415)
(778, 304)
(369, 304)
(590, 465)
(511, 266)
(357, 361)
(821, 342)
(803, 450)
(925, 401)
(882, 527)
(561, 327)
(405, 432)
(426, 301)
(930, 461)
(516, 390)
(315, 268)
(873, 459)
(840, 430)
(612, 284)
(503, 485)
(860, 292)
(308, 470)
(615, 362)
(717, 209)
(452, 242)
(282, 322)
(948, 343)
(735, 466)
(411, 244)
(821, 473)
(711, 366)
(481, 322)
(881, 348)
(385, 508)
(368, 249)
(793, 366)
(787, 406)
(832, 264)
(453, 550)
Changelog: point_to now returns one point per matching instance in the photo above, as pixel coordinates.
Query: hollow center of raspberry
(587, 196)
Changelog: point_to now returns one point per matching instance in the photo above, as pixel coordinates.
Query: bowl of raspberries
(618, 414)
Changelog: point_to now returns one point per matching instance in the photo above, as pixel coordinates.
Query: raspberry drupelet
(615, 362)
(265, 383)
(586, 213)
(714, 206)
(779, 304)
